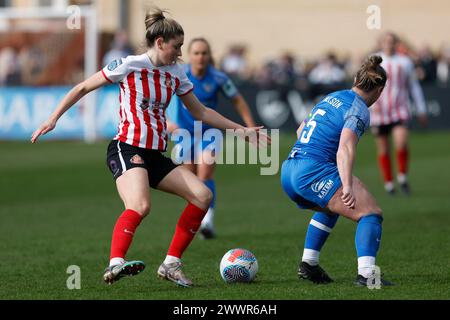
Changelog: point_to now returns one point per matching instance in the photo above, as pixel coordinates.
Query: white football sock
(402, 178)
(116, 261)
(365, 266)
(171, 259)
(311, 257)
(389, 186)
(208, 220)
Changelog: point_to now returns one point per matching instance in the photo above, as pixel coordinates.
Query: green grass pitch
(58, 205)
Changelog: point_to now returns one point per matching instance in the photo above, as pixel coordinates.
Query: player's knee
(373, 211)
(202, 197)
(206, 196)
(141, 207)
(206, 176)
(377, 210)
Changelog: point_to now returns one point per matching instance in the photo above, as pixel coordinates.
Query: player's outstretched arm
(345, 157)
(244, 110)
(215, 119)
(79, 91)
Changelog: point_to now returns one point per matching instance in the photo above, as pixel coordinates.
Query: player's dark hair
(206, 42)
(157, 25)
(370, 75)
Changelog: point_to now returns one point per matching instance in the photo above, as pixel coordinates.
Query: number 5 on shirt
(311, 125)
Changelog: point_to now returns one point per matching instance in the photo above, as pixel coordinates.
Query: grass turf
(58, 205)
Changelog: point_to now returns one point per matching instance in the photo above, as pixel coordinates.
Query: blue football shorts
(308, 182)
(186, 153)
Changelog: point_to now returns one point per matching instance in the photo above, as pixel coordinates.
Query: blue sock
(367, 242)
(212, 186)
(318, 231)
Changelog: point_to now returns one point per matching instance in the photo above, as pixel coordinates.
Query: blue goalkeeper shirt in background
(207, 90)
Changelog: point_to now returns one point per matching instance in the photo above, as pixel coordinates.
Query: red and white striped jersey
(393, 104)
(145, 93)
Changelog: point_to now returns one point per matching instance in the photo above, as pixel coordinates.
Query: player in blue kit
(318, 173)
(208, 84)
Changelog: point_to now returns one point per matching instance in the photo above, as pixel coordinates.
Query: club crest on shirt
(145, 103)
(136, 159)
(207, 87)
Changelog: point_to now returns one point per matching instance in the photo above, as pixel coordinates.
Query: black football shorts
(122, 157)
(385, 130)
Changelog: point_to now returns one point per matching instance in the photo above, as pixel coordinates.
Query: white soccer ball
(238, 265)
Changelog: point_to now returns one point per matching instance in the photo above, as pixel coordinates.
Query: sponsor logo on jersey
(322, 187)
(168, 83)
(136, 159)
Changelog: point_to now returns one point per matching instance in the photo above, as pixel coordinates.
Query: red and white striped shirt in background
(145, 93)
(393, 104)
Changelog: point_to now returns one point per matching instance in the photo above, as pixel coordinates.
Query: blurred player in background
(147, 83)
(208, 83)
(391, 113)
(318, 173)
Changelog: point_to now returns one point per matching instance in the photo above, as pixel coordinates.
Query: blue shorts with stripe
(309, 182)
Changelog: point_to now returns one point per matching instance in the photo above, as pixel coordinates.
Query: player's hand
(348, 198)
(171, 126)
(255, 136)
(423, 120)
(47, 126)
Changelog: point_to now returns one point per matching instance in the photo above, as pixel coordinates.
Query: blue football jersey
(320, 136)
(207, 91)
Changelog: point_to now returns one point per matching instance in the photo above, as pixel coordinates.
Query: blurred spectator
(263, 76)
(352, 64)
(120, 48)
(31, 61)
(443, 66)
(327, 72)
(234, 62)
(23, 63)
(10, 73)
(284, 71)
(326, 76)
(426, 65)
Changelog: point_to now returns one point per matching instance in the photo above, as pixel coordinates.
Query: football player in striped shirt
(147, 83)
(391, 113)
(208, 84)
